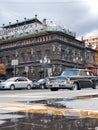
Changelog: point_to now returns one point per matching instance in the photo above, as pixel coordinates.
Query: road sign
(14, 62)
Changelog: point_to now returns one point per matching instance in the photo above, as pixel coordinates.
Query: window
(22, 57)
(0, 59)
(47, 52)
(38, 55)
(62, 54)
(29, 56)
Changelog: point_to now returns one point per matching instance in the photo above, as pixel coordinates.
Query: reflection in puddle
(54, 116)
(32, 121)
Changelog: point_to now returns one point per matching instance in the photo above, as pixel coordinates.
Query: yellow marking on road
(41, 109)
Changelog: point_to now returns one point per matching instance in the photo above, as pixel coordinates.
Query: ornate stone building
(34, 49)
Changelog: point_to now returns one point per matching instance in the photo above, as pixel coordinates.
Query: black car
(76, 79)
(58, 82)
(41, 83)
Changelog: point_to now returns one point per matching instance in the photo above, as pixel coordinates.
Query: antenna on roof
(35, 20)
(35, 16)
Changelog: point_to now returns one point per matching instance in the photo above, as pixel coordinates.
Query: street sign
(14, 62)
(26, 69)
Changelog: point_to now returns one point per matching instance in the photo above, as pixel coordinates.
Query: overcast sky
(80, 16)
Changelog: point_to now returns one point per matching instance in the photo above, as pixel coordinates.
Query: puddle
(86, 97)
(53, 102)
(53, 115)
(32, 121)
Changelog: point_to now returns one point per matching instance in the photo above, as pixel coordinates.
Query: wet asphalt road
(45, 110)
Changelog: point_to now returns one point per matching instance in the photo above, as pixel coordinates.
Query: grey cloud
(74, 14)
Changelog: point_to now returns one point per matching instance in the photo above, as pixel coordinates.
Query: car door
(18, 83)
(24, 82)
(86, 81)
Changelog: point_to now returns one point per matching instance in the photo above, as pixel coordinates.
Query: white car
(16, 82)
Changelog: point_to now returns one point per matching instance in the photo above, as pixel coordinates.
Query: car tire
(12, 87)
(76, 86)
(54, 89)
(28, 86)
(94, 86)
(42, 86)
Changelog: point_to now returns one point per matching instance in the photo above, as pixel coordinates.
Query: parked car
(1, 81)
(41, 83)
(75, 80)
(82, 78)
(57, 82)
(16, 82)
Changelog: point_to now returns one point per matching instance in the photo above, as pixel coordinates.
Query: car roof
(17, 77)
(77, 69)
(57, 77)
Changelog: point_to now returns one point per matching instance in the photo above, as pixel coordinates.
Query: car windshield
(60, 78)
(70, 73)
(11, 79)
(41, 80)
(57, 78)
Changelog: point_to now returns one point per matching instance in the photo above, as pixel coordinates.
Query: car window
(70, 73)
(21, 79)
(91, 74)
(24, 79)
(83, 73)
(51, 79)
(57, 78)
(86, 73)
(41, 80)
(11, 79)
(61, 78)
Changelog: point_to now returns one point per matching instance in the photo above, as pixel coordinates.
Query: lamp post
(45, 61)
(75, 60)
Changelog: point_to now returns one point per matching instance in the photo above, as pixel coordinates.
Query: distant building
(34, 49)
(92, 43)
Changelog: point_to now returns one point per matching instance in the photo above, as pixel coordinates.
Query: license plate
(55, 85)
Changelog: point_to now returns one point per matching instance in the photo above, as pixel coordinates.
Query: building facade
(92, 44)
(91, 41)
(32, 48)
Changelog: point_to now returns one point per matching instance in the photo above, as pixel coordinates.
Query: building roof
(26, 21)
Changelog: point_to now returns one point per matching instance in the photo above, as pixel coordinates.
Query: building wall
(32, 41)
(63, 51)
(92, 40)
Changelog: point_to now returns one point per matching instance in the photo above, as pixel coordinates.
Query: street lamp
(76, 60)
(45, 61)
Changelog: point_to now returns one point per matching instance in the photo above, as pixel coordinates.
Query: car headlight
(69, 81)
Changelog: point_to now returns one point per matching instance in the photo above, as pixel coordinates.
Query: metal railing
(11, 33)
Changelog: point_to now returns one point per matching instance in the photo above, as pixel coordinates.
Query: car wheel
(54, 89)
(12, 87)
(94, 86)
(76, 86)
(42, 86)
(29, 87)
